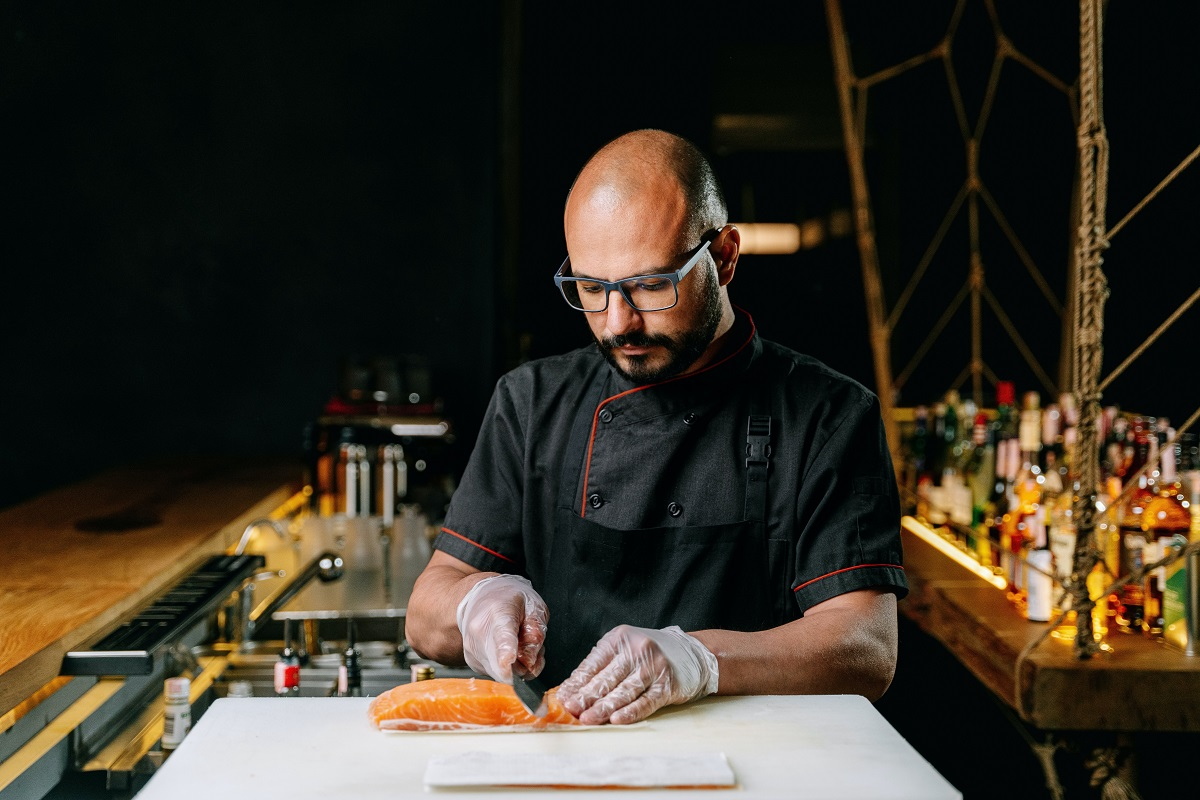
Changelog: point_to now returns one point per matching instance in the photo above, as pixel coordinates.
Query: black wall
(206, 207)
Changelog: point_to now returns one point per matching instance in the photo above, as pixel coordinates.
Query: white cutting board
(832, 746)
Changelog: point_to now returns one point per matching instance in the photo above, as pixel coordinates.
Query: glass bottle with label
(1027, 493)
(177, 711)
(287, 668)
(1040, 573)
(350, 670)
(1166, 522)
(1130, 599)
(982, 477)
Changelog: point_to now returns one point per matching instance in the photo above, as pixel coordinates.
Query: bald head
(650, 171)
(643, 206)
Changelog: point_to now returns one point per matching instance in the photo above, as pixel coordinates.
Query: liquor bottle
(1006, 411)
(365, 506)
(982, 477)
(1040, 578)
(1130, 612)
(1008, 465)
(964, 448)
(956, 494)
(346, 453)
(1177, 597)
(1027, 491)
(1061, 531)
(1108, 540)
(1031, 496)
(1110, 446)
(309, 446)
(1189, 476)
(1070, 435)
(350, 670)
(1052, 478)
(1166, 522)
(936, 454)
(386, 491)
(287, 668)
(326, 487)
(950, 438)
(1053, 472)
(1051, 429)
(917, 450)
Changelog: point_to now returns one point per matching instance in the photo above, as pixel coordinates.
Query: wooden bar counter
(1142, 685)
(78, 560)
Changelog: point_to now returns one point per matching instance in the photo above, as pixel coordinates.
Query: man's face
(651, 346)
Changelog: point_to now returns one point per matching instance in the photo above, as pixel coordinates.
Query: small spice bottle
(177, 712)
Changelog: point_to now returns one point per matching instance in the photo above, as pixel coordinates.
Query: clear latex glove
(633, 672)
(503, 625)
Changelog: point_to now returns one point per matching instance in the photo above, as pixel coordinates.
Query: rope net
(1080, 317)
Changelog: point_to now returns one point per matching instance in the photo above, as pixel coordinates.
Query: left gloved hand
(633, 672)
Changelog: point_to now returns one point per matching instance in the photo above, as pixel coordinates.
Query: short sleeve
(848, 509)
(483, 522)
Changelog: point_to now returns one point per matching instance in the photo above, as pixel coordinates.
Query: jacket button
(689, 418)
(674, 509)
(595, 501)
(605, 415)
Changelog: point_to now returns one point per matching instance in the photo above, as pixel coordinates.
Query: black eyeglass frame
(619, 286)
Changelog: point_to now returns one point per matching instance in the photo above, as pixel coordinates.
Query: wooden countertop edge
(32, 676)
(1057, 691)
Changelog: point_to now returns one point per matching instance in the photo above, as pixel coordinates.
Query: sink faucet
(241, 545)
(326, 567)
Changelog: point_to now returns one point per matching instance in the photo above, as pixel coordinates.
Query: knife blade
(532, 694)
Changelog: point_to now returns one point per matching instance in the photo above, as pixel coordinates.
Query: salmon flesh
(446, 704)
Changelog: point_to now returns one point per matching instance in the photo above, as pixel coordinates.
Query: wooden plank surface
(1142, 685)
(78, 560)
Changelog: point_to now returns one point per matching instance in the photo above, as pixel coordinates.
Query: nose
(620, 317)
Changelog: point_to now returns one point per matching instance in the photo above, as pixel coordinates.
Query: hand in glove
(503, 625)
(632, 672)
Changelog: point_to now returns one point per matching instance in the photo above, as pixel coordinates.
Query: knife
(532, 694)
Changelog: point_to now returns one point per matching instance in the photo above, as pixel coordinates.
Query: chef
(683, 508)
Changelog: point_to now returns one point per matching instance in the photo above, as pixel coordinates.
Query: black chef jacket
(674, 454)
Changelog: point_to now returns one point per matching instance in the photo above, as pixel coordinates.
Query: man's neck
(719, 344)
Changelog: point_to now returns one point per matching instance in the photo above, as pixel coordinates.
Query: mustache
(637, 339)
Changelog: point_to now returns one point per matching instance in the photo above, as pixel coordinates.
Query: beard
(682, 349)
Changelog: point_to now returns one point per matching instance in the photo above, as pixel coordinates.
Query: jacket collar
(742, 348)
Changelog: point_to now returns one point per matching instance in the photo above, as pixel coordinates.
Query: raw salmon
(446, 704)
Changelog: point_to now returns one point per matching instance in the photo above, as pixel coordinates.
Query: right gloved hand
(503, 625)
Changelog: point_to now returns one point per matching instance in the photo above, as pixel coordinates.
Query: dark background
(208, 208)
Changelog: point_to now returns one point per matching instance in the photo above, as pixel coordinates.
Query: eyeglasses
(656, 292)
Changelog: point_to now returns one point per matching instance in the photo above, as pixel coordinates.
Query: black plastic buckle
(758, 440)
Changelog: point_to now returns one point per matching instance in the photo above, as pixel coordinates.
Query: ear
(725, 250)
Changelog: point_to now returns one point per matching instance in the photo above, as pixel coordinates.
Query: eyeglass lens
(648, 294)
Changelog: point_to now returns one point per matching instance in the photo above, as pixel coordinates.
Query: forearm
(846, 645)
(430, 625)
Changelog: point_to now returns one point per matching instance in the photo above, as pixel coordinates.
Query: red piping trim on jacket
(596, 414)
(846, 569)
(477, 544)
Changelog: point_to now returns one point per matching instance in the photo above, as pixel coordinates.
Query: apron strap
(572, 466)
(758, 456)
(758, 443)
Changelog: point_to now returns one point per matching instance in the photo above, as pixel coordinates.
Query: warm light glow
(917, 529)
(770, 238)
(403, 429)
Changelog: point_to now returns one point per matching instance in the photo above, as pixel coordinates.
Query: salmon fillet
(444, 704)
